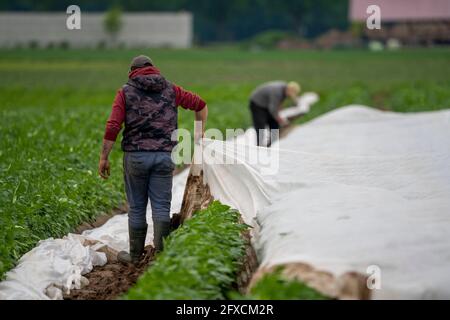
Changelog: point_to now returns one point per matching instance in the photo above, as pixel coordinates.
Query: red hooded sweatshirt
(184, 98)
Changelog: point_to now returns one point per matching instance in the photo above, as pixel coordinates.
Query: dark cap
(141, 61)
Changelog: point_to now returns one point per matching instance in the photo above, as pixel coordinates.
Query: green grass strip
(200, 259)
(273, 286)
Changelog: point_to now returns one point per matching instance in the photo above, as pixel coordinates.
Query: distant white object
(393, 44)
(357, 189)
(304, 103)
(376, 46)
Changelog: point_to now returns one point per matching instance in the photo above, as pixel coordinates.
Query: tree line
(221, 20)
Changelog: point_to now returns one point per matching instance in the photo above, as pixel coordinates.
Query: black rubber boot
(161, 229)
(137, 244)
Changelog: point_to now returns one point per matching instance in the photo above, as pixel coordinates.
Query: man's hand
(200, 116)
(282, 121)
(104, 168)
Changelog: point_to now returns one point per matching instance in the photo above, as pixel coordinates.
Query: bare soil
(112, 280)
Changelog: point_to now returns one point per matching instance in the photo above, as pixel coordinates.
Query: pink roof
(396, 10)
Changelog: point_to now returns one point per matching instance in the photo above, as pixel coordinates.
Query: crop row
(201, 260)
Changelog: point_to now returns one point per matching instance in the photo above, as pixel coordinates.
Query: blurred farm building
(47, 29)
(412, 22)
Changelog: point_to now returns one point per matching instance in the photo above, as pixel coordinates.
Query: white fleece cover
(356, 187)
(57, 265)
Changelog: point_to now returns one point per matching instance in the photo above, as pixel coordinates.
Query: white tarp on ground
(356, 187)
(59, 264)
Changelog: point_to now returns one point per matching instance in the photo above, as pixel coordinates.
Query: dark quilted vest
(151, 114)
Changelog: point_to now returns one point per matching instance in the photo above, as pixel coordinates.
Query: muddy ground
(112, 280)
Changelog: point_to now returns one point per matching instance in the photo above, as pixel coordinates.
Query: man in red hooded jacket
(147, 105)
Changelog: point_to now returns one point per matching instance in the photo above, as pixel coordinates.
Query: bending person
(265, 104)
